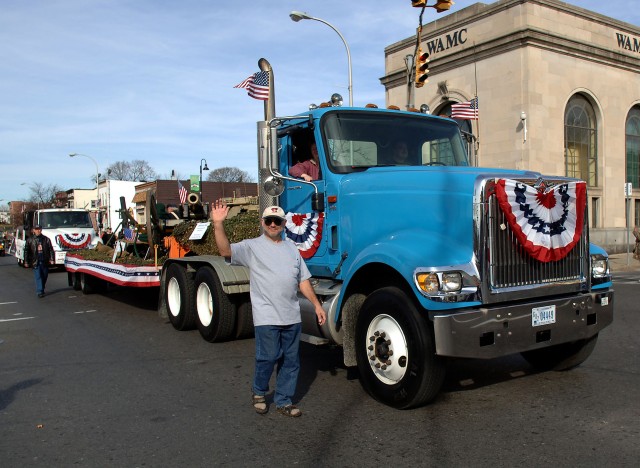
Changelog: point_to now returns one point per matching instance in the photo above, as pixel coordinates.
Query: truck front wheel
(216, 312)
(395, 351)
(180, 297)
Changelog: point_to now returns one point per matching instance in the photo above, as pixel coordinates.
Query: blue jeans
(277, 344)
(41, 273)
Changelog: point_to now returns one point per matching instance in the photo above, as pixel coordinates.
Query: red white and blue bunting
(305, 230)
(547, 221)
(73, 241)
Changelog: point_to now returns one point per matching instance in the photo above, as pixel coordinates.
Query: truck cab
(417, 256)
(68, 229)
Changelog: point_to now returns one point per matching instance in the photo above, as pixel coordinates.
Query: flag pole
(475, 75)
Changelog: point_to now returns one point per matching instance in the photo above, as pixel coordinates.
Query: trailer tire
(75, 282)
(216, 314)
(90, 284)
(395, 351)
(561, 357)
(244, 319)
(180, 298)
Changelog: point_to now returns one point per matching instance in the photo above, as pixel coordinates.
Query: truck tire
(395, 351)
(216, 314)
(244, 318)
(561, 357)
(180, 298)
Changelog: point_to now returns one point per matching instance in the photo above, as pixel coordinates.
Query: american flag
(465, 110)
(257, 85)
(129, 234)
(182, 193)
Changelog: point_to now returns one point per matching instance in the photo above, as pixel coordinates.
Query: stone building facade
(558, 89)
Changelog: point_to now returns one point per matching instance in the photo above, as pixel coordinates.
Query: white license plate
(543, 315)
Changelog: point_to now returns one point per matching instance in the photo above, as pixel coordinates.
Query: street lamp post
(205, 168)
(299, 15)
(73, 155)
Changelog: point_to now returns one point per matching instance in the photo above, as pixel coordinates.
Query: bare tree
(43, 195)
(229, 174)
(136, 170)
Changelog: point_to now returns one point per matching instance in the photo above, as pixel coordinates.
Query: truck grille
(510, 266)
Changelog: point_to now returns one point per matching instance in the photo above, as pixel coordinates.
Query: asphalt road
(102, 380)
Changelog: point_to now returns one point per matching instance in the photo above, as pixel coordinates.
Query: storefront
(557, 88)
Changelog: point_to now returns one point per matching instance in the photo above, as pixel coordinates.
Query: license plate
(543, 315)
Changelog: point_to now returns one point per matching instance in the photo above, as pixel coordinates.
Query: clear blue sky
(153, 79)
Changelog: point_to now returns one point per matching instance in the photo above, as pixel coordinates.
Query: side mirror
(273, 186)
(317, 201)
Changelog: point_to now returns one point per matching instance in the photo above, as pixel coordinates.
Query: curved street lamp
(73, 155)
(300, 15)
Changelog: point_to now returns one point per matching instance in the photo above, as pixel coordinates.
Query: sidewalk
(623, 262)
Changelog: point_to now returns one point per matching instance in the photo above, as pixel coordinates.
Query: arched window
(580, 140)
(632, 146)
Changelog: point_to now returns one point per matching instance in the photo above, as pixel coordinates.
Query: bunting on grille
(305, 230)
(73, 241)
(546, 221)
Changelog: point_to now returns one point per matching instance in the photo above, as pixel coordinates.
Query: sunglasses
(272, 219)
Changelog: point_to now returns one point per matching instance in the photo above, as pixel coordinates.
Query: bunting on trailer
(546, 221)
(73, 241)
(305, 230)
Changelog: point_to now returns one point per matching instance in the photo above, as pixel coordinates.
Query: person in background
(39, 255)
(636, 248)
(276, 271)
(308, 170)
(108, 238)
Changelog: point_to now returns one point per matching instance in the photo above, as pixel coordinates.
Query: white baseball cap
(275, 211)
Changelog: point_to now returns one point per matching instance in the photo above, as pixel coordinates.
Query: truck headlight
(599, 266)
(451, 282)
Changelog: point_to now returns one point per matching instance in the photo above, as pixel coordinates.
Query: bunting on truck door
(546, 221)
(305, 230)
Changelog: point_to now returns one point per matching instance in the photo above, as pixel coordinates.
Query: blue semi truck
(415, 260)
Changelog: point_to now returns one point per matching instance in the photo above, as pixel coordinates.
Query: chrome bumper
(499, 331)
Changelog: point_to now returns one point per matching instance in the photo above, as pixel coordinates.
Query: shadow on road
(7, 396)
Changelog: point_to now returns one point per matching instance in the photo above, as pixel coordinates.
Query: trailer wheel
(561, 357)
(75, 282)
(90, 284)
(244, 318)
(395, 351)
(180, 297)
(215, 311)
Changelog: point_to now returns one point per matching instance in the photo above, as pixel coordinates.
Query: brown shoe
(290, 410)
(259, 404)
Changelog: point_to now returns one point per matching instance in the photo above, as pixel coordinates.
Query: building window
(580, 140)
(595, 212)
(632, 145)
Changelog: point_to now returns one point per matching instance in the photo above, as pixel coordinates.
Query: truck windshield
(65, 219)
(356, 141)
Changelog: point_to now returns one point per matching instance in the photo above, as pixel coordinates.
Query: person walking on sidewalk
(276, 271)
(39, 255)
(636, 248)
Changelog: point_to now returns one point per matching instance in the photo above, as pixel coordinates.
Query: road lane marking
(85, 311)
(5, 303)
(14, 319)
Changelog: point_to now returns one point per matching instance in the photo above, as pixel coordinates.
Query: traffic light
(422, 68)
(442, 5)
